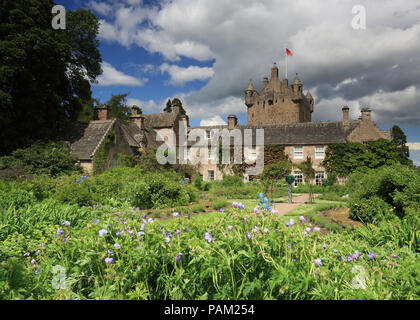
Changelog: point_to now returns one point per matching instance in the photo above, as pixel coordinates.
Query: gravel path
(285, 207)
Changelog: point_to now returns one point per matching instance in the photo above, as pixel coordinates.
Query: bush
(216, 205)
(72, 192)
(51, 158)
(198, 181)
(397, 186)
(231, 181)
(368, 210)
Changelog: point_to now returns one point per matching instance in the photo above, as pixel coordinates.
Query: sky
(205, 52)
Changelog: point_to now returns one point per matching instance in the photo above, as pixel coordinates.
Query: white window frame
(298, 177)
(208, 175)
(319, 176)
(209, 134)
(296, 153)
(319, 154)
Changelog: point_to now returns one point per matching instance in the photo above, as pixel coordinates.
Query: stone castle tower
(277, 103)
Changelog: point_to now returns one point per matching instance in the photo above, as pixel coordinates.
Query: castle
(283, 111)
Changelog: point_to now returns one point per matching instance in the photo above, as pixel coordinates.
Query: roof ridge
(103, 137)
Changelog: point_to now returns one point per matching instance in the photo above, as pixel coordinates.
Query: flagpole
(286, 65)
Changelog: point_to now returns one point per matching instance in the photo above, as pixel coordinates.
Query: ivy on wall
(101, 156)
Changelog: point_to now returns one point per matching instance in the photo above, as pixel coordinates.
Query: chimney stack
(136, 117)
(346, 121)
(366, 114)
(102, 112)
(176, 106)
(232, 121)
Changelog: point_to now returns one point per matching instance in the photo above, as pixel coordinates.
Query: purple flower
(33, 261)
(349, 257)
(244, 220)
(292, 222)
(277, 230)
(26, 254)
(178, 231)
(178, 256)
(208, 237)
(317, 229)
(142, 226)
(340, 258)
(110, 253)
(318, 262)
(131, 233)
(109, 261)
(95, 221)
(255, 230)
(59, 232)
(168, 239)
(150, 220)
(287, 224)
(302, 219)
(36, 270)
(117, 233)
(37, 252)
(211, 231)
(335, 250)
(289, 246)
(234, 204)
(248, 235)
(66, 223)
(186, 230)
(229, 228)
(140, 233)
(371, 255)
(117, 246)
(265, 231)
(222, 210)
(356, 255)
(102, 232)
(308, 230)
(325, 246)
(394, 256)
(176, 214)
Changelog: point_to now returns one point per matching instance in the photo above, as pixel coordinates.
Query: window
(210, 175)
(298, 177)
(298, 153)
(209, 134)
(319, 152)
(319, 176)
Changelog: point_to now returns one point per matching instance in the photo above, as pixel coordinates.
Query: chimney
(185, 120)
(285, 83)
(366, 115)
(136, 117)
(102, 112)
(346, 121)
(232, 121)
(176, 106)
(274, 72)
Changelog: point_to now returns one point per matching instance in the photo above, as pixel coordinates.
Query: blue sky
(205, 52)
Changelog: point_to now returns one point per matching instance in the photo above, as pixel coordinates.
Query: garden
(130, 234)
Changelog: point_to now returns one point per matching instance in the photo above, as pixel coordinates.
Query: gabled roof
(85, 137)
(159, 120)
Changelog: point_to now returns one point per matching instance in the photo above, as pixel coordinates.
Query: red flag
(288, 52)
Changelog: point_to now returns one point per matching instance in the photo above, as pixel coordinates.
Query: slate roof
(297, 134)
(159, 120)
(85, 137)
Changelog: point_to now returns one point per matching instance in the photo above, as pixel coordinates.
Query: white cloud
(413, 145)
(102, 8)
(378, 66)
(113, 77)
(213, 121)
(179, 75)
(147, 106)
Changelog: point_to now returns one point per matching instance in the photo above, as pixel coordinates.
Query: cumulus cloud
(113, 77)
(179, 75)
(213, 121)
(378, 66)
(149, 106)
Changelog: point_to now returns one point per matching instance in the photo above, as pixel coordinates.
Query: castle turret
(310, 100)
(249, 94)
(297, 85)
(274, 72)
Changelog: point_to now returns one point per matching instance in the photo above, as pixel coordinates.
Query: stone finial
(346, 120)
(232, 121)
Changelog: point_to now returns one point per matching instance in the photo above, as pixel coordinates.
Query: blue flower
(318, 262)
(208, 237)
(340, 258)
(260, 195)
(140, 233)
(222, 210)
(109, 261)
(110, 253)
(356, 255)
(394, 256)
(371, 255)
(349, 257)
(66, 223)
(37, 252)
(178, 256)
(178, 231)
(102, 232)
(255, 230)
(229, 228)
(33, 262)
(287, 224)
(59, 232)
(248, 235)
(265, 231)
(317, 229)
(117, 246)
(26, 254)
(36, 270)
(95, 221)
(335, 250)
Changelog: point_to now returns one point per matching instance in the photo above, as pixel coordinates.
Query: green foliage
(118, 105)
(72, 192)
(168, 107)
(393, 188)
(400, 139)
(218, 204)
(45, 73)
(100, 160)
(51, 158)
(231, 181)
(345, 158)
(198, 182)
(330, 180)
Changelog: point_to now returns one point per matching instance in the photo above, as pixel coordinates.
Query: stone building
(282, 111)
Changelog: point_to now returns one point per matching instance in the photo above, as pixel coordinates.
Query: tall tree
(179, 102)
(119, 108)
(400, 139)
(45, 74)
(275, 172)
(168, 107)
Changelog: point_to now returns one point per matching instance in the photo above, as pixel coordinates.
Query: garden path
(285, 207)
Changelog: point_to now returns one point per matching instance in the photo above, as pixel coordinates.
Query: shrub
(198, 181)
(192, 192)
(138, 194)
(397, 186)
(51, 158)
(198, 208)
(231, 181)
(368, 210)
(216, 205)
(72, 192)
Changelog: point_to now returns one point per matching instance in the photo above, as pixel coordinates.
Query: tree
(45, 74)
(118, 105)
(308, 173)
(400, 139)
(181, 108)
(275, 172)
(87, 114)
(168, 107)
